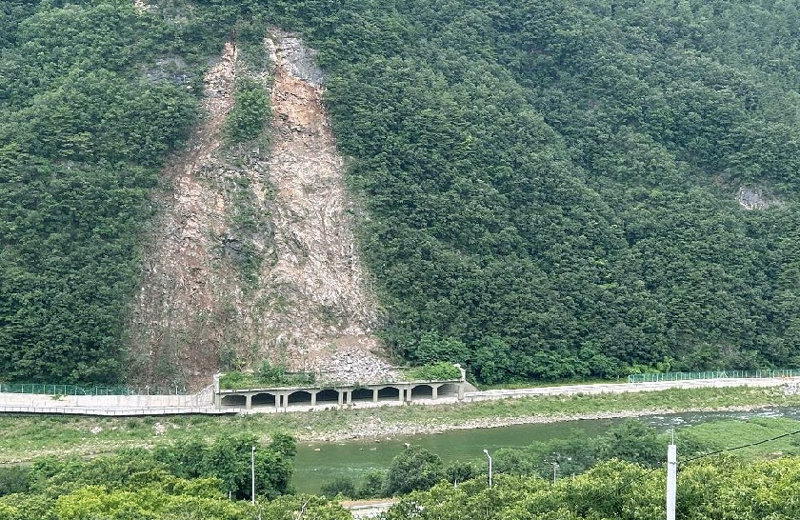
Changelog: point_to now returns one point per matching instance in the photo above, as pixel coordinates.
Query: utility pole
(672, 477)
(555, 472)
(490, 466)
(253, 475)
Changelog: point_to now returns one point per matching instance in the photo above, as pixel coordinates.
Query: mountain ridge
(545, 190)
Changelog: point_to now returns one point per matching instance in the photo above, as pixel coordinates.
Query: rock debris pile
(354, 365)
(328, 312)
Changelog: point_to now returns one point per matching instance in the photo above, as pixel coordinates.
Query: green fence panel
(60, 389)
(717, 374)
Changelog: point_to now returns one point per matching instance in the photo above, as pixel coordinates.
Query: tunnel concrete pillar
(340, 396)
(374, 395)
(435, 391)
(248, 401)
(349, 395)
(314, 398)
(461, 391)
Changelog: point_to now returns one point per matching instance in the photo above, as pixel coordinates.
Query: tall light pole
(672, 477)
(555, 472)
(253, 475)
(490, 466)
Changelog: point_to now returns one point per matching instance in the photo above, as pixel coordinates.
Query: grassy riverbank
(26, 437)
(724, 435)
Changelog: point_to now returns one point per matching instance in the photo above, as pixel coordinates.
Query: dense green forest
(550, 186)
(88, 113)
(718, 489)
(192, 481)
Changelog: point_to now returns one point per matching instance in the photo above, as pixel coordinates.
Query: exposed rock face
(172, 69)
(176, 324)
(329, 312)
(298, 60)
(305, 300)
(140, 5)
(754, 198)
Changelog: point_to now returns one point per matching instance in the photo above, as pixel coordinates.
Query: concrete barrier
(283, 398)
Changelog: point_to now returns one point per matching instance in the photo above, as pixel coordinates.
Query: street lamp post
(490, 466)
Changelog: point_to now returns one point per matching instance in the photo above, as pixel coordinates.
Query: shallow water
(318, 463)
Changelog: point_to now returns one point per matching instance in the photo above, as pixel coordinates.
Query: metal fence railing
(53, 389)
(714, 374)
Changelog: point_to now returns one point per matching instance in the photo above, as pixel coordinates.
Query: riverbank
(391, 431)
(417, 420)
(24, 437)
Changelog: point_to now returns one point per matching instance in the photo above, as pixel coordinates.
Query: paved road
(368, 508)
(178, 405)
(618, 388)
(113, 412)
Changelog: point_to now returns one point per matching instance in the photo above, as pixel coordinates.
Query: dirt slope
(174, 332)
(329, 312)
(280, 210)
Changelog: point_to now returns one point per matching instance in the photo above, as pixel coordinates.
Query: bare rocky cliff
(253, 255)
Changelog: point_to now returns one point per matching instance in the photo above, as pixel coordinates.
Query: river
(318, 463)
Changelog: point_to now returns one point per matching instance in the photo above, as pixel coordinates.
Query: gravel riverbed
(377, 429)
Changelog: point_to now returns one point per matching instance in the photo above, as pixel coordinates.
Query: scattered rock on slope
(329, 312)
(754, 198)
(308, 304)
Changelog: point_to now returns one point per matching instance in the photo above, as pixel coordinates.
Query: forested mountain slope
(552, 189)
(82, 132)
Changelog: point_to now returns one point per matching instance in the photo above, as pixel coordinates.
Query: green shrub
(233, 380)
(14, 479)
(414, 469)
(372, 485)
(267, 375)
(272, 374)
(434, 372)
(251, 111)
(340, 486)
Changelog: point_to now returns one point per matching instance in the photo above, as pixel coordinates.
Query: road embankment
(201, 403)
